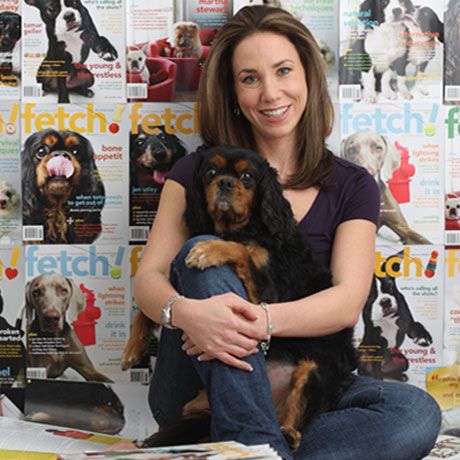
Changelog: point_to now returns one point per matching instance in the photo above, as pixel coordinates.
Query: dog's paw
(420, 335)
(390, 95)
(292, 436)
(369, 97)
(105, 50)
(422, 90)
(405, 94)
(204, 254)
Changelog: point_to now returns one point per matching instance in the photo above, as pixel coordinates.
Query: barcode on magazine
(350, 92)
(36, 373)
(139, 376)
(137, 90)
(32, 91)
(138, 233)
(32, 233)
(452, 93)
(453, 238)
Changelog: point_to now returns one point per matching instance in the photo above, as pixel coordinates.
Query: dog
(10, 35)
(9, 208)
(396, 35)
(452, 210)
(91, 406)
(49, 299)
(136, 64)
(235, 194)
(57, 167)
(185, 40)
(452, 49)
(328, 55)
(379, 156)
(387, 321)
(71, 34)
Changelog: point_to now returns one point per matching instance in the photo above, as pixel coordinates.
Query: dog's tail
(190, 429)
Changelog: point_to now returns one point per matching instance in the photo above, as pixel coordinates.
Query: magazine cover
(10, 175)
(391, 50)
(12, 349)
(402, 146)
(206, 13)
(320, 16)
(10, 49)
(452, 182)
(76, 314)
(74, 166)
(400, 332)
(73, 51)
(451, 52)
(160, 134)
(149, 77)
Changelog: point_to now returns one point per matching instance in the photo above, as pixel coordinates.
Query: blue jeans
(374, 420)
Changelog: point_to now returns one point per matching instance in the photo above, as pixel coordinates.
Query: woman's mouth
(275, 113)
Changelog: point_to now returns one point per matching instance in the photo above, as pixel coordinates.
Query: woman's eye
(249, 79)
(284, 70)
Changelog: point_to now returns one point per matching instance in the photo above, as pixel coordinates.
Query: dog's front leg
(368, 80)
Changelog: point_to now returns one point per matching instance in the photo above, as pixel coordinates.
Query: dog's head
(234, 190)
(429, 22)
(10, 31)
(373, 152)
(155, 154)
(328, 54)
(9, 199)
(185, 35)
(452, 208)
(49, 298)
(380, 11)
(135, 60)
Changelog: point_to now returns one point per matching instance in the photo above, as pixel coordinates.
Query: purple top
(353, 194)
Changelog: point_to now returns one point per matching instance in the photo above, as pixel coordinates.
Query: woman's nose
(270, 89)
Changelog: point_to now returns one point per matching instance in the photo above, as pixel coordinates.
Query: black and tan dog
(10, 35)
(235, 194)
(58, 167)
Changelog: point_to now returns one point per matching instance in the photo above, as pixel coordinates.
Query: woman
(263, 87)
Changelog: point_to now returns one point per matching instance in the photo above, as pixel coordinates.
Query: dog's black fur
(291, 272)
(38, 204)
(10, 34)
(75, 76)
(380, 354)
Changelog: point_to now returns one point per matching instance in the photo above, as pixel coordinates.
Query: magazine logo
(9, 126)
(9, 271)
(88, 264)
(404, 265)
(135, 258)
(405, 121)
(86, 121)
(453, 122)
(453, 262)
(183, 123)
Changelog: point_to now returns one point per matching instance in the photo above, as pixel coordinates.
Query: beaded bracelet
(265, 344)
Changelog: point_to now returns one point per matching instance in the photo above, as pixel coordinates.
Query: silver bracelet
(265, 344)
(166, 312)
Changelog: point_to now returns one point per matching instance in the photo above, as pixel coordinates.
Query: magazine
(74, 54)
(392, 55)
(451, 52)
(149, 77)
(402, 146)
(10, 175)
(160, 134)
(445, 447)
(10, 49)
(75, 173)
(400, 333)
(206, 13)
(452, 300)
(452, 182)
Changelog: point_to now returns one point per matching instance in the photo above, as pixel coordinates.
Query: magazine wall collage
(92, 121)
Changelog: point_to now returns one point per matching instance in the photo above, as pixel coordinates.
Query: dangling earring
(236, 110)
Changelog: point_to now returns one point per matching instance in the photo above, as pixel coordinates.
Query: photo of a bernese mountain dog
(61, 187)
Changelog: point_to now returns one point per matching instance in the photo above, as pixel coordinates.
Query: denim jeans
(374, 419)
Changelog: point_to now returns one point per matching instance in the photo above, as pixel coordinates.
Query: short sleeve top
(351, 193)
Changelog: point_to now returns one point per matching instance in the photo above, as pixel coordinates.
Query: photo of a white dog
(9, 210)
(136, 64)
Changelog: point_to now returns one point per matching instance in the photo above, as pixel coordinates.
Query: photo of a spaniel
(58, 167)
(185, 40)
(52, 302)
(235, 195)
(9, 209)
(387, 322)
(10, 36)
(379, 156)
(452, 45)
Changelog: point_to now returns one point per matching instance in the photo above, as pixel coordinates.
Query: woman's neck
(281, 156)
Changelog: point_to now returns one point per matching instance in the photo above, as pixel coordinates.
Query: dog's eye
(210, 173)
(139, 59)
(8, 194)
(140, 142)
(50, 10)
(42, 151)
(352, 151)
(246, 177)
(63, 291)
(75, 151)
(36, 292)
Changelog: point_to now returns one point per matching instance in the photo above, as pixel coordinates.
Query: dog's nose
(385, 303)
(226, 184)
(397, 12)
(60, 153)
(2, 202)
(69, 16)
(160, 155)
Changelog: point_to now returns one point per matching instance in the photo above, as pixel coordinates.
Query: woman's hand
(225, 327)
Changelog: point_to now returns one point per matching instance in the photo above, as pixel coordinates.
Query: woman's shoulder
(350, 175)
(182, 170)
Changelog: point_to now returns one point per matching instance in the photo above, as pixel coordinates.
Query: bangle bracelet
(166, 319)
(265, 344)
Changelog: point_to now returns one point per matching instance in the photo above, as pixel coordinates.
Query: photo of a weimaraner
(380, 157)
(49, 299)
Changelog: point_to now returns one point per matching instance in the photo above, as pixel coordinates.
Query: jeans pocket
(362, 396)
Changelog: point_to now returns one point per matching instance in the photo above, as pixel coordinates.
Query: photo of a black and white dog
(10, 48)
(72, 35)
(395, 46)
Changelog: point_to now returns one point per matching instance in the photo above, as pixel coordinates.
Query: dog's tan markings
(70, 141)
(290, 415)
(50, 140)
(241, 165)
(259, 255)
(218, 160)
(199, 404)
(214, 253)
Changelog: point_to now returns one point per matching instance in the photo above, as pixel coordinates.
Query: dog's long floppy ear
(196, 214)
(275, 211)
(29, 306)
(76, 302)
(392, 160)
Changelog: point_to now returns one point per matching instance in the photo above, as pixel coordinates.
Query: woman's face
(270, 85)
